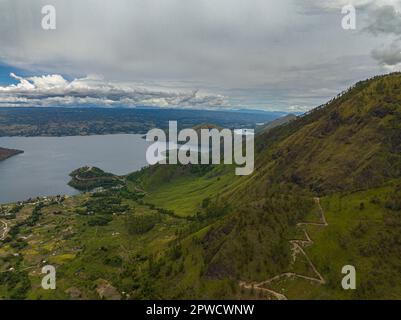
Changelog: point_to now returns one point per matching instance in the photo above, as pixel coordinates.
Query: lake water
(44, 167)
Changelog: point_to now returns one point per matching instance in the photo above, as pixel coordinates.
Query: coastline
(8, 153)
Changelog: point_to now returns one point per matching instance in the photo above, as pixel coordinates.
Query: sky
(287, 55)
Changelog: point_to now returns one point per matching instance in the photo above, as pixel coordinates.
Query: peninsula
(7, 153)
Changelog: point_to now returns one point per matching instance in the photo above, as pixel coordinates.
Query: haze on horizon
(287, 55)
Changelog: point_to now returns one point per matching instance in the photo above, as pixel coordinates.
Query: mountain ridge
(200, 232)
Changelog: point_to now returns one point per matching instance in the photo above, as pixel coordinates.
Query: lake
(43, 169)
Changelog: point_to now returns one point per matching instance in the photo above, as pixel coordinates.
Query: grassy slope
(242, 231)
(351, 144)
(365, 236)
(185, 194)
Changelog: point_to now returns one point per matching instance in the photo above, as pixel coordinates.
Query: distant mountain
(278, 122)
(86, 121)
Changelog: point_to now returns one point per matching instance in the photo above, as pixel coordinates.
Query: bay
(43, 169)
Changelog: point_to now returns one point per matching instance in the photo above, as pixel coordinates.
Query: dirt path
(277, 295)
(5, 230)
(296, 249)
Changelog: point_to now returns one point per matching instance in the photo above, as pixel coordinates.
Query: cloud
(257, 53)
(316, 7)
(385, 20)
(54, 90)
(298, 108)
(388, 56)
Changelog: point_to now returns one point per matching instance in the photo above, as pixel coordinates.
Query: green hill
(89, 178)
(351, 143)
(325, 193)
(348, 145)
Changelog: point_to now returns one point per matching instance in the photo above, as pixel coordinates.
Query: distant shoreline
(61, 122)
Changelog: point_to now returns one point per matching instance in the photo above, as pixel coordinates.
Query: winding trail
(297, 247)
(5, 230)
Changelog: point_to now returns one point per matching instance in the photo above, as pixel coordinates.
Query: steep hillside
(325, 193)
(351, 143)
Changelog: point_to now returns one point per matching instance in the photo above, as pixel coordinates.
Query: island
(7, 153)
(89, 178)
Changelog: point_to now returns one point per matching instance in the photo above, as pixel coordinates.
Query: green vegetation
(351, 143)
(367, 237)
(89, 178)
(142, 224)
(193, 232)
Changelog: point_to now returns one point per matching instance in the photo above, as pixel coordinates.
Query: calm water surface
(43, 169)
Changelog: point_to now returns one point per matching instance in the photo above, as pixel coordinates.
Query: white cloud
(388, 56)
(258, 53)
(378, 18)
(54, 90)
(298, 108)
(385, 20)
(336, 5)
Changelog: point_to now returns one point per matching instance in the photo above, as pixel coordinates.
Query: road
(297, 247)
